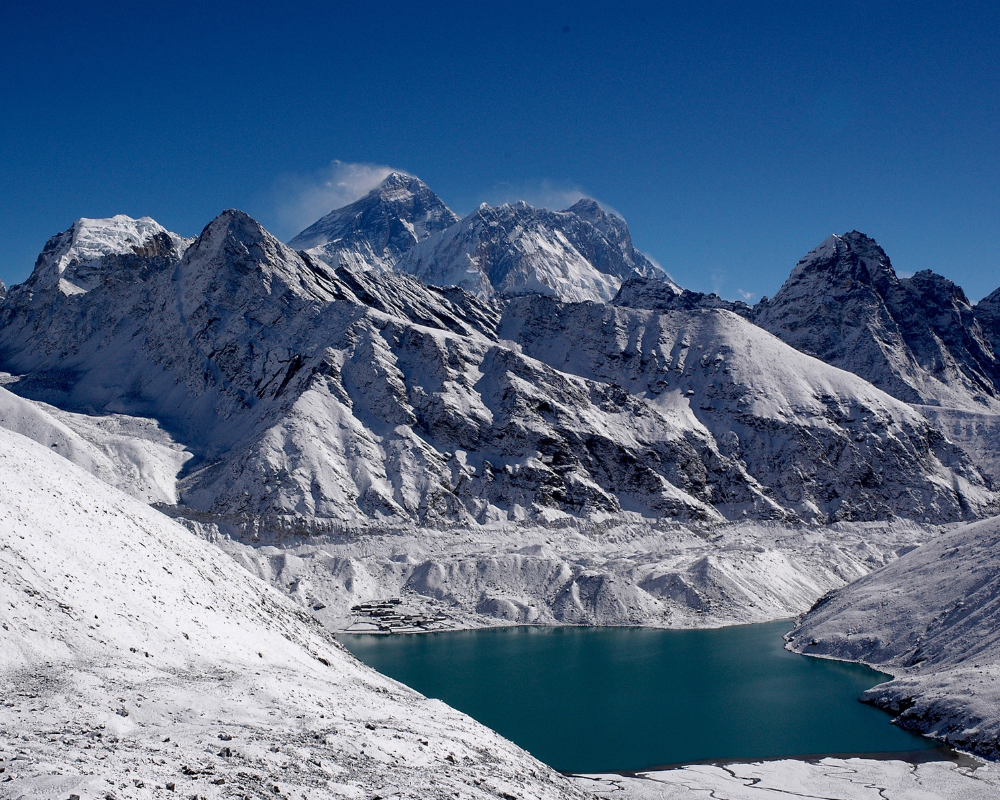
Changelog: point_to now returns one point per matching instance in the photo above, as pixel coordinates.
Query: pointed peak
(237, 257)
(606, 221)
(233, 217)
(232, 224)
(854, 252)
(379, 227)
(400, 179)
(588, 209)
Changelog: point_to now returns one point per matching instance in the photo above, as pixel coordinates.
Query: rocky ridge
(917, 338)
(317, 394)
(656, 295)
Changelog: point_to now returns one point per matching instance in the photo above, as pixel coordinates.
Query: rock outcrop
(916, 338)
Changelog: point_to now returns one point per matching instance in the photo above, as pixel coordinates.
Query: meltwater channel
(626, 699)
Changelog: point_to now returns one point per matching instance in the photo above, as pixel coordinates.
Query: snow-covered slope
(582, 253)
(308, 393)
(917, 338)
(825, 779)
(132, 454)
(137, 657)
(375, 231)
(77, 259)
(824, 443)
(931, 619)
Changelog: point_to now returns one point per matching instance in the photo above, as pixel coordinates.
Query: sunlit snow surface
(134, 655)
(931, 619)
(828, 779)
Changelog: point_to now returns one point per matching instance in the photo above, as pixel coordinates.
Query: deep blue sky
(733, 137)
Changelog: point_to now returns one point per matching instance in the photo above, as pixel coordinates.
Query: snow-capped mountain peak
(94, 251)
(375, 231)
(594, 213)
(74, 259)
(917, 338)
(581, 253)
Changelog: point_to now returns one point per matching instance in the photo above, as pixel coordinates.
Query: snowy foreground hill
(931, 619)
(137, 657)
(555, 434)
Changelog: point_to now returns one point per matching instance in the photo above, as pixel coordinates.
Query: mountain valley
(513, 417)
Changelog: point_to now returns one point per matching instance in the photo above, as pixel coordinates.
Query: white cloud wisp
(301, 200)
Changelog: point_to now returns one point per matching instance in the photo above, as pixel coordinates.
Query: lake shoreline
(737, 691)
(944, 753)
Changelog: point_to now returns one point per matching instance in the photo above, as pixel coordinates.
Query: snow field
(135, 655)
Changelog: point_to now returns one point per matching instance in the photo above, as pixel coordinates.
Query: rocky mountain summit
(377, 230)
(94, 251)
(657, 295)
(582, 253)
(309, 395)
(917, 338)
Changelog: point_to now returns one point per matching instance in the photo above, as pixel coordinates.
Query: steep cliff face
(987, 313)
(377, 230)
(917, 338)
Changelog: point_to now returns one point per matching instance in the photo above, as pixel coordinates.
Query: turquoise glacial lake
(627, 699)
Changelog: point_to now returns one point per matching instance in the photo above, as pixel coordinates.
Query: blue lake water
(621, 699)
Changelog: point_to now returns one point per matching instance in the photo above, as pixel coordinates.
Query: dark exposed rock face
(375, 231)
(917, 338)
(655, 295)
(987, 313)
